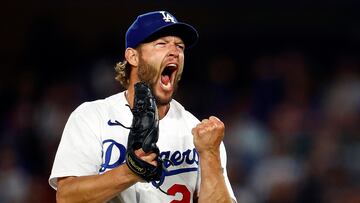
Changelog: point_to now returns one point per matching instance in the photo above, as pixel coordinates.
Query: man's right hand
(150, 157)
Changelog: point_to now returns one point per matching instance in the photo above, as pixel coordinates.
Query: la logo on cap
(167, 17)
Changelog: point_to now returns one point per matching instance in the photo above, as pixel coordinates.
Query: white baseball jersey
(94, 142)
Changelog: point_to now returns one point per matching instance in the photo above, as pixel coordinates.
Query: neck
(163, 109)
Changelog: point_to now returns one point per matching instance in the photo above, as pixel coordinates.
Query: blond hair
(122, 70)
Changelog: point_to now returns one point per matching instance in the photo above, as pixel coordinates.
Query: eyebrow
(178, 40)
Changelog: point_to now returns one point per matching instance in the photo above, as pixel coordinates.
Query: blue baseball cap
(152, 25)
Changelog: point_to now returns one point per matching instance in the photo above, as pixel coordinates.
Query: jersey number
(180, 189)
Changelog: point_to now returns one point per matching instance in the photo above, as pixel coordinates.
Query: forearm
(97, 188)
(212, 187)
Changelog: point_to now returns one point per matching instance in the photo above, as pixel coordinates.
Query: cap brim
(185, 31)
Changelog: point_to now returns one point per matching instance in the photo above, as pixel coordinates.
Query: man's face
(161, 64)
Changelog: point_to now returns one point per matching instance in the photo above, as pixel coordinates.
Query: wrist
(132, 175)
(211, 160)
(210, 155)
(124, 174)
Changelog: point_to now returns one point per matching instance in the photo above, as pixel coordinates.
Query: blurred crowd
(292, 129)
(295, 137)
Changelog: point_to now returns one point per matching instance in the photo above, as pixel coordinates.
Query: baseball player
(92, 163)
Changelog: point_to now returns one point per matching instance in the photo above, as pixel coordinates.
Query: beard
(150, 75)
(147, 73)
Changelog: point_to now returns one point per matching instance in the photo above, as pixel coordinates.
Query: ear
(131, 56)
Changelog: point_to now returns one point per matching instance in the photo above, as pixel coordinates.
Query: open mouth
(167, 76)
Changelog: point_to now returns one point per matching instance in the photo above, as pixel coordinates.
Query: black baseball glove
(144, 133)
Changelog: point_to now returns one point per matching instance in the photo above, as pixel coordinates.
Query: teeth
(167, 87)
(171, 65)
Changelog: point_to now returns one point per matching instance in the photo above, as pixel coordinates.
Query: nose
(174, 50)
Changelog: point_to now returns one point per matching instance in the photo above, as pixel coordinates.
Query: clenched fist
(208, 135)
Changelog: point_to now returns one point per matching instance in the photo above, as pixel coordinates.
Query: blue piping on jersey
(178, 171)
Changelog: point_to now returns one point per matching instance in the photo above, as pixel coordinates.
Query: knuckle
(202, 131)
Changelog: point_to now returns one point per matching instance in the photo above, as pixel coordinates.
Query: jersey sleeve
(79, 152)
(223, 157)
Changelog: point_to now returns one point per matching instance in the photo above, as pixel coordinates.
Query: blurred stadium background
(284, 76)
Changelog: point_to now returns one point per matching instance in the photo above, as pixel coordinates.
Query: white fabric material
(93, 142)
